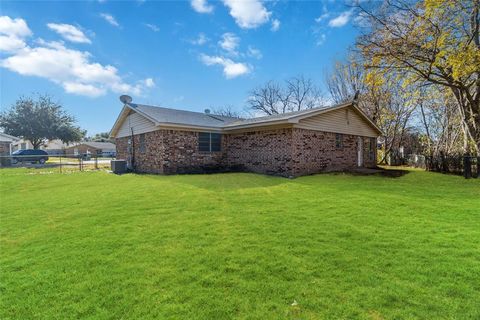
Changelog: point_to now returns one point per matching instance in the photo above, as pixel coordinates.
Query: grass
(100, 246)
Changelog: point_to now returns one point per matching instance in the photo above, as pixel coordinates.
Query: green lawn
(99, 246)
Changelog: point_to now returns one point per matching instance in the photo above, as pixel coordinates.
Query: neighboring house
(102, 149)
(6, 144)
(52, 147)
(162, 140)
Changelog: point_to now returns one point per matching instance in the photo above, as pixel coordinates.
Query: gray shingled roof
(167, 116)
(277, 117)
(175, 116)
(99, 145)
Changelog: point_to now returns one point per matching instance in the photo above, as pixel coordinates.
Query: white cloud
(325, 14)
(69, 32)
(13, 33)
(322, 17)
(362, 20)
(16, 27)
(152, 27)
(201, 6)
(71, 69)
(110, 19)
(255, 53)
(83, 89)
(200, 40)
(341, 20)
(275, 25)
(149, 83)
(248, 14)
(321, 39)
(11, 44)
(229, 43)
(231, 69)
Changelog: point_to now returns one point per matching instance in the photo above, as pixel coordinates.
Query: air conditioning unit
(118, 166)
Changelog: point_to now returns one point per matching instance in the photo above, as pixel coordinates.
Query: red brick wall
(288, 152)
(316, 151)
(121, 146)
(170, 151)
(369, 158)
(268, 152)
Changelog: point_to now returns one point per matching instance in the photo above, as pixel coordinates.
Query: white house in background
(92, 148)
(6, 143)
(52, 147)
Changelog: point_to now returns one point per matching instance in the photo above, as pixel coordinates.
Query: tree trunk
(36, 144)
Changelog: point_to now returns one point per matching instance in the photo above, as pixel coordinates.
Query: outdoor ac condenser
(119, 166)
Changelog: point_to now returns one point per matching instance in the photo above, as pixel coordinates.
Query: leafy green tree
(100, 137)
(39, 120)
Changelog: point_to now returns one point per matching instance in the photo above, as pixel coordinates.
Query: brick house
(167, 141)
(92, 148)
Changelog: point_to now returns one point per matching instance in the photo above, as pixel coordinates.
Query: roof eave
(169, 125)
(256, 124)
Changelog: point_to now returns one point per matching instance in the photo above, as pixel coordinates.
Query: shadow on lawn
(245, 180)
(223, 181)
(382, 172)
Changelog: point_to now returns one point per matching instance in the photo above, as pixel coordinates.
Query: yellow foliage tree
(430, 42)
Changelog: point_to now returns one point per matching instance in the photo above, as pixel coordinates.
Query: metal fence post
(60, 164)
(478, 167)
(467, 167)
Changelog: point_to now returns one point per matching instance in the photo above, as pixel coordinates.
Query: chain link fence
(57, 163)
(466, 165)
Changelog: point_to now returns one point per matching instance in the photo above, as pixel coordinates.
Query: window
(209, 142)
(142, 147)
(339, 140)
(215, 141)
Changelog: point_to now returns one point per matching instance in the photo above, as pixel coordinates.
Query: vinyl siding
(139, 124)
(336, 121)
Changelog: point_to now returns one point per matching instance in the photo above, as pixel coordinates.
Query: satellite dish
(125, 99)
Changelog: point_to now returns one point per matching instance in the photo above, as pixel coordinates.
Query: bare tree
(298, 93)
(345, 80)
(348, 78)
(227, 111)
(394, 116)
(301, 93)
(267, 99)
(440, 122)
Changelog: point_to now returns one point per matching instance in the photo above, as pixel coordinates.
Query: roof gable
(161, 116)
(8, 138)
(95, 145)
(346, 120)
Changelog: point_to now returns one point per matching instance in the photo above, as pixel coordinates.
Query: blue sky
(183, 54)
